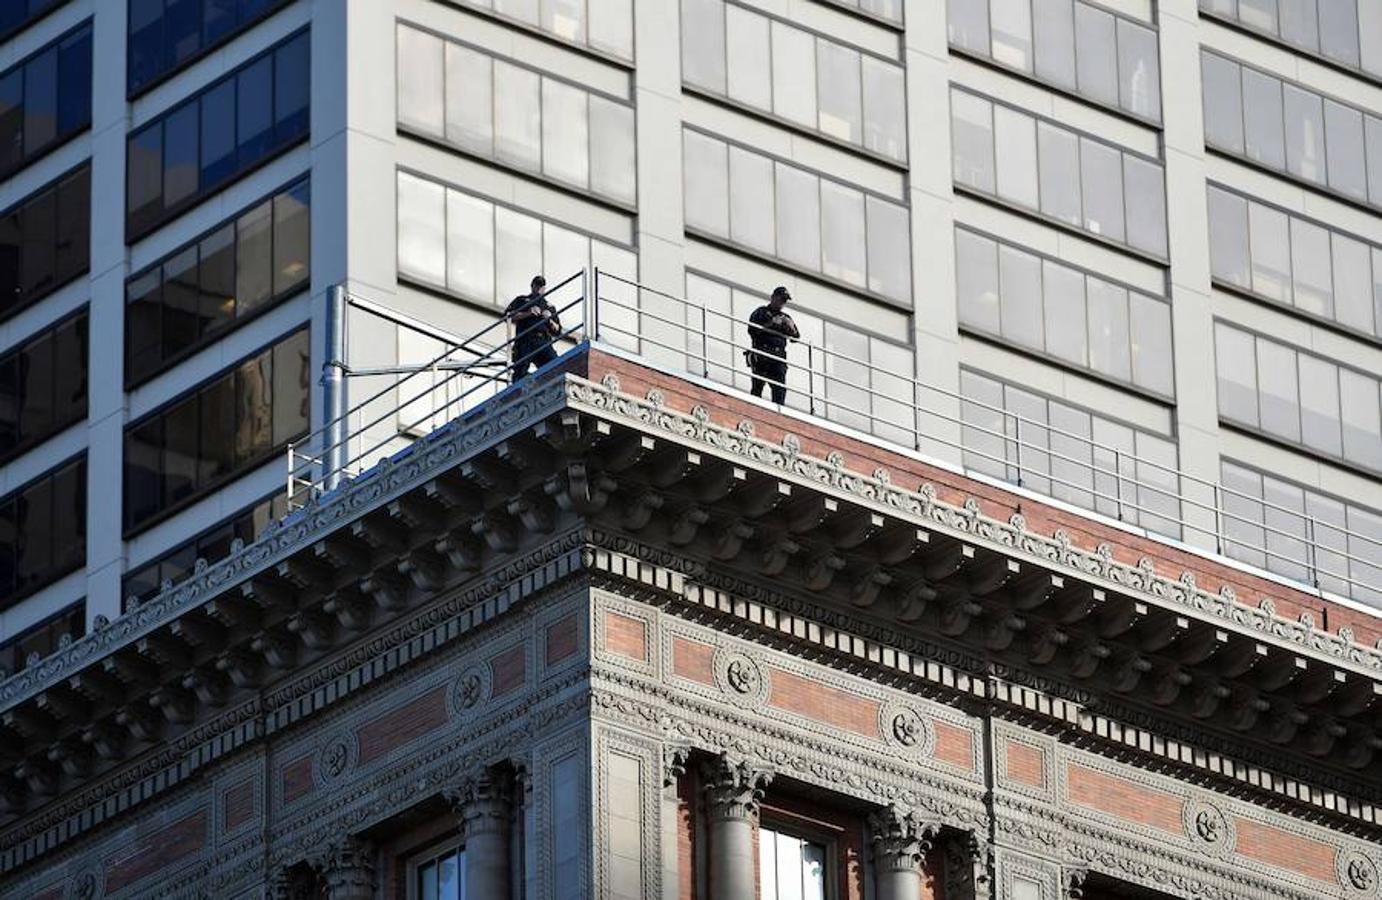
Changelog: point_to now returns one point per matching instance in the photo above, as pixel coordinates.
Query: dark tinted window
(43, 639)
(45, 241)
(43, 386)
(165, 35)
(198, 292)
(232, 126)
(145, 583)
(42, 531)
(231, 423)
(16, 15)
(45, 99)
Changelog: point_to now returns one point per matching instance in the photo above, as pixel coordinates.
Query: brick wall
(157, 851)
(1285, 850)
(693, 660)
(1124, 799)
(827, 705)
(508, 670)
(407, 723)
(626, 636)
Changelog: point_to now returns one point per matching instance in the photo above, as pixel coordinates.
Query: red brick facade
(823, 704)
(403, 725)
(1124, 799)
(157, 851)
(626, 636)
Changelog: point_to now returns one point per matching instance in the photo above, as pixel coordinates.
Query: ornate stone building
(620, 634)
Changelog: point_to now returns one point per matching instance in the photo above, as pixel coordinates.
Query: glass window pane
(1314, 289)
(522, 10)
(1343, 134)
(1362, 423)
(976, 281)
(1060, 173)
(517, 251)
(74, 225)
(885, 109)
(11, 120)
(470, 246)
(1101, 178)
(1278, 390)
(565, 133)
(1353, 280)
(420, 93)
(1020, 297)
(612, 166)
(254, 258)
(292, 239)
(703, 44)
(1146, 195)
(1015, 139)
(1300, 24)
(1262, 129)
(254, 408)
(1151, 343)
(39, 254)
(1271, 252)
(1054, 23)
(749, 58)
(1259, 14)
(40, 101)
(1304, 118)
(972, 133)
(1339, 30)
(794, 74)
(1236, 362)
(967, 25)
(216, 423)
(421, 229)
(292, 89)
(1011, 22)
(218, 133)
(1063, 303)
(254, 111)
(564, 253)
(982, 435)
(1319, 396)
(292, 369)
(517, 115)
(74, 83)
(838, 87)
(1096, 56)
(217, 252)
(890, 250)
(611, 27)
(751, 203)
(144, 184)
(798, 216)
(469, 99)
(565, 19)
(1139, 74)
(707, 183)
(181, 161)
(181, 302)
(1370, 36)
(1228, 237)
(843, 246)
(1372, 137)
(1108, 330)
(1223, 103)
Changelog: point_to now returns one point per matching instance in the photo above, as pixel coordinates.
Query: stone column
(733, 791)
(901, 840)
(347, 869)
(484, 804)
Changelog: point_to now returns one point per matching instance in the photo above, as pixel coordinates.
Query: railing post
(289, 485)
(1219, 537)
(811, 379)
(1017, 431)
(1118, 484)
(1311, 556)
(592, 325)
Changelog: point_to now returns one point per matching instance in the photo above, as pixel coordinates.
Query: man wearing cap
(535, 326)
(769, 330)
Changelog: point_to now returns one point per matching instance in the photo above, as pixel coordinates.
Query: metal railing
(896, 407)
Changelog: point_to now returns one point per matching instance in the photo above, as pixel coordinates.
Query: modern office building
(1112, 269)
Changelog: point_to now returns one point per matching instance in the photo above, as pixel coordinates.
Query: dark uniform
(769, 330)
(532, 343)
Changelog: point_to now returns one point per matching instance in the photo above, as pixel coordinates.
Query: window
(490, 107)
(144, 583)
(1292, 130)
(1289, 260)
(1068, 177)
(43, 639)
(605, 26)
(45, 241)
(223, 427)
(471, 247)
(807, 79)
(439, 875)
(219, 135)
(889, 11)
(798, 216)
(43, 531)
(167, 35)
(45, 100)
(1298, 398)
(43, 386)
(215, 283)
(1077, 46)
(790, 868)
(16, 15)
(1042, 305)
(1070, 453)
(1272, 524)
(1345, 32)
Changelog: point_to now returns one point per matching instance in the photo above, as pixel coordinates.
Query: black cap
(781, 291)
(538, 281)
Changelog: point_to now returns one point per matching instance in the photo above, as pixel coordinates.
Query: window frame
(7, 313)
(454, 845)
(47, 622)
(784, 822)
(60, 138)
(539, 32)
(276, 298)
(234, 473)
(30, 20)
(588, 193)
(136, 230)
(134, 91)
(773, 257)
(1316, 56)
(987, 59)
(50, 330)
(1049, 218)
(55, 574)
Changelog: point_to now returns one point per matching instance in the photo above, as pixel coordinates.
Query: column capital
(1072, 882)
(675, 758)
(734, 788)
(346, 866)
(968, 864)
(901, 838)
(482, 801)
